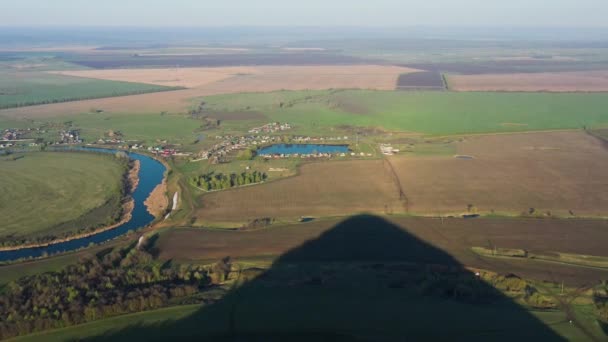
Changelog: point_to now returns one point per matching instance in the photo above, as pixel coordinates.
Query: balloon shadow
(363, 280)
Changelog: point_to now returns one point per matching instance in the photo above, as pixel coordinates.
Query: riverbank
(132, 182)
(157, 203)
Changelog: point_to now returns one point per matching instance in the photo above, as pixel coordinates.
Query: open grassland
(150, 128)
(321, 189)
(206, 82)
(439, 113)
(537, 174)
(19, 89)
(586, 81)
(100, 327)
(425, 112)
(257, 78)
(455, 237)
(318, 309)
(50, 193)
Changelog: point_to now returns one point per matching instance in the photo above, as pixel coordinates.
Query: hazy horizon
(315, 13)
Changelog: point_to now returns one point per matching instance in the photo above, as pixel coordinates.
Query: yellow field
(172, 77)
(588, 81)
(213, 81)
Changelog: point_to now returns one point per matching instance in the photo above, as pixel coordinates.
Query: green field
(331, 113)
(18, 89)
(111, 324)
(150, 128)
(332, 317)
(66, 191)
(437, 113)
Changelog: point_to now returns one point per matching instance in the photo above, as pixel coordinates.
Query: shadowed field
(362, 279)
(454, 236)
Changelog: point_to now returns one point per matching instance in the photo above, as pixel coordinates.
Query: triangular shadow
(364, 279)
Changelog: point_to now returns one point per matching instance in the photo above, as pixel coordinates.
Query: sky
(374, 13)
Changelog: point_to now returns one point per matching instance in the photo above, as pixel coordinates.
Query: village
(229, 143)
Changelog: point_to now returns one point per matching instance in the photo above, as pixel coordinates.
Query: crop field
(589, 81)
(149, 128)
(509, 65)
(438, 113)
(173, 77)
(18, 89)
(61, 189)
(229, 80)
(315, 111)
(113, 61)
(213, 81)
(420, 81)
(557, 173)
(321, 189)
(453, 236)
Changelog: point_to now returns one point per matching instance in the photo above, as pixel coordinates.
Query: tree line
(219, 181)
(110, 283)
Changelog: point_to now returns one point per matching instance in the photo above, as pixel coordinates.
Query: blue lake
(302, 149)
(151, 174)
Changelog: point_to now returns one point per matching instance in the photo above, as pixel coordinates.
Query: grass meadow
(18, 89)
(66, 191)
(436, 113)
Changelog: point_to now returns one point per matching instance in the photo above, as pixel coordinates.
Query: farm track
(395, 178)
(565, 304)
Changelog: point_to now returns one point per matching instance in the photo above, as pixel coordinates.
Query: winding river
(151, 174)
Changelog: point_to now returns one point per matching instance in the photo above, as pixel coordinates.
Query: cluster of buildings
(388, 150)
(69, 137)
(11, 134)
(315, 155)
(308, 139)
(231, 143)
(271, 128)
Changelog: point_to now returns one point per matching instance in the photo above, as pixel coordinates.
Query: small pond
(288, 149)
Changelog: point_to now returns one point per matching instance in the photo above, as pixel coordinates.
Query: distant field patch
(113, 61)
(49, 193)
(584, 81)
(184, 77)
(431, 112)
(19, 89)
(257, 78)
(321, 189)
(536, 174)
(428, 80)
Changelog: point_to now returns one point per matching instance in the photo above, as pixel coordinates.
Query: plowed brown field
(563, 173)
(321, 189)
(454, 236)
